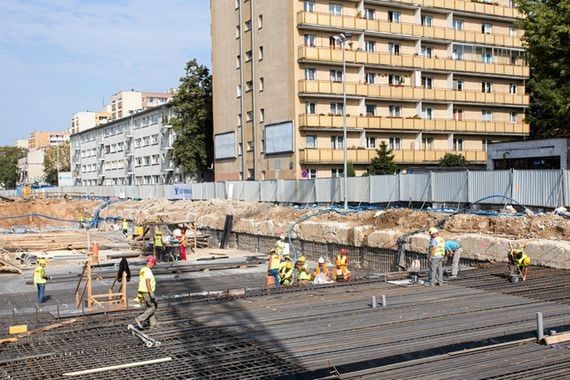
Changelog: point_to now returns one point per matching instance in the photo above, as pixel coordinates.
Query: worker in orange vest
(321, 268)
(341, 271)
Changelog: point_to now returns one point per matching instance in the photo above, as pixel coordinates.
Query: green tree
(193, 148)
(384, 162)
(9, 156)
(451, 160)
(350, 172)
(54, 157)
(546, 38)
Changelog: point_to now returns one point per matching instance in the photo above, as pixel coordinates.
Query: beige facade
(426, 77)
(81, 121)
(123, 102)
(41, 139)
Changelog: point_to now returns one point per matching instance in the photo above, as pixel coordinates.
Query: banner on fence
(183, 191)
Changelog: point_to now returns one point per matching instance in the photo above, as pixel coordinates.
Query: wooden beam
(559, 338)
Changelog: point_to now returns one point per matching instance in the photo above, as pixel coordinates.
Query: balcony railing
(326, 54)
(313, 87)
(462, 6)
(416, 30)
(414, 124)
(316, 156)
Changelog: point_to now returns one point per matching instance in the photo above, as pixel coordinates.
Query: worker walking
(341, 266)
(436, 255)
(519, 262)
(273, 266)
(286, 272)
(125, 227)
(40, 279)
(302, 272)
(182, 241)
(147, 286)
(453, 253)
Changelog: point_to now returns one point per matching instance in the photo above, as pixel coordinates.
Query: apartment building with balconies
(81, 121)
(133, 150)
(43, 139)
(427, 77)
(125, 102)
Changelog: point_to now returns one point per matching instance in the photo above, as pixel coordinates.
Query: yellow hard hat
(433, 230)
(289, 265)
(302, 258)
(526, 261)
(42, 261)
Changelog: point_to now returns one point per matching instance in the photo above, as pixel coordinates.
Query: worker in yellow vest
(341, 272)
(518, 263)
(40, 279)
(436, 255)
(273, 266)
(286, 272)
(147, 287)
(302, 272)
(157, 242)
(125, 227)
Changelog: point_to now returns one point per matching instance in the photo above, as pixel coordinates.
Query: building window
(237, 31)
(394, 80)
(394, 48)
(335, 9)
(427, 143)
(249, 116)
(260, 53)
(337, 173)
(486, 87)
(457, 114)
(238, 58)
(262, 115)
(487, 115)
(311, 141)
(369, 13)
(457, 24)
(336, 108)
(337, 142)
(513, 88)
(239, 121)
(336, 75)
(238, 90)
(371, 110)
(309, 6)
(311, 108)
(427, 82)
(370, 78)
(513, 117)
(310, 74)
(248, 25)
(426, 20)
(370, 46)
(248, 85)
(512, 31)
(261, 84)
(371, 142)
(394, 16)
(310, 40)
(394, 143)
(486, 28)
(259, 21)
(395, 111)
(457, 53)
(334, 43)
(426, 51)
(312, 173)
(427, 113)
(487, 56)
(457, 145)
(458, 84)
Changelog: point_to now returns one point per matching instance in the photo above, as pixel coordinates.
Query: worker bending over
(518, 263)
(40, 279)
(302, 272)
(286, 272)
(147, 287)
(273, 266)
(453, 253)
(341, 272)
(436, 254)
(321, 268)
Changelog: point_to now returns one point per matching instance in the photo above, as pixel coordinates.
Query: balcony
(326, 54)
(378, 123)
(425, 32)
(460, 6)
(329, 156)
(314, 87)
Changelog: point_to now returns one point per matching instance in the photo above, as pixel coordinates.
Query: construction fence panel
(286, 191)
(306, 191)
(327, 190)
(566, 188)
(484, 184)
(450, 187)
(384, 188)
(268, 191)
(197, 191)
(358, 189)
(220, 190)
(210, 190)
(234, 190)
(538, 188)
(252, 191)
(415, 187)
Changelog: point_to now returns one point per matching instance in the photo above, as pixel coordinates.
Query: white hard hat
(282, 237)
(321, 260)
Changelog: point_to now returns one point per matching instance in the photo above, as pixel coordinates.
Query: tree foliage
(9, 156)
(350, 172)
(451, 160)
(193, 148)
(547, 42)
(383, 163)
(56, 156)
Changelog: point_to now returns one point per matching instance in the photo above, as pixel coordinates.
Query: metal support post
(383, 300)
(539, 327)
(374, 302)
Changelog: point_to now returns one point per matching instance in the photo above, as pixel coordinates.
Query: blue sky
(58, 57)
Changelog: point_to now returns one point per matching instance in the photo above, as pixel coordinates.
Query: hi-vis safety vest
(158, 239)
(440, 247)
(341, 260)
(275, 262)
(519, 261)
(285, 271)
(125, 225)
(39, 274)
(144, 274)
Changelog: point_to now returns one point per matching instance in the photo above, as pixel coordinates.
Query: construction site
(218, 319)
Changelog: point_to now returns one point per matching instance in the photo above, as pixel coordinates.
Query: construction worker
(157, 242)
(436, 255)
(321, 268)
(182, 241)
(273, 266)
(302, 272)
(286, 272)
(281, 247)
(341, 266)
(125, 227)
(519, 262)
(40, 279)
(81, 220)
(453, 253)
(147, 286)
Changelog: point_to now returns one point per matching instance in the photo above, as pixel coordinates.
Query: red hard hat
(343, 250)
(151, 259)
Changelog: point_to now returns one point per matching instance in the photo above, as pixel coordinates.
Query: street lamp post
(341, 38)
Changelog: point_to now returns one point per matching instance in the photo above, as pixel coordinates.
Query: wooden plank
(8, 340)
(565, 337)
(48, 328)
